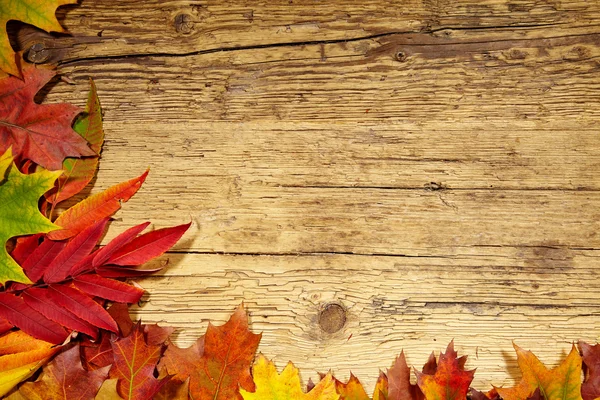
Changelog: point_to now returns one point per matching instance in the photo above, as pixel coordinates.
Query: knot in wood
(37, 54)
(183, 23)
(332, 318)
(401, 56)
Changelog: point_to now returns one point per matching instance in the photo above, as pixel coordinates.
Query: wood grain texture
(431, 166)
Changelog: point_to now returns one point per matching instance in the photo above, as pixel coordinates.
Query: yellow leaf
(21, 355)
(34, 12)
(560, 383)
(272, 386)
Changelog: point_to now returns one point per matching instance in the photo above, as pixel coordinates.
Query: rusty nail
(183, 23)
(37, 54)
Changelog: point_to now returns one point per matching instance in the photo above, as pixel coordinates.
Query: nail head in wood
(332, 317)
(183, 23)
(37, 54)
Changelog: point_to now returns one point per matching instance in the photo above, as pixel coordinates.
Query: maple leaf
(560, 383)
(174, 390)
(95, 208)
(272, 386)
(20, 356)
(450, 381)
(78, 172)
(219, 363)
(352, 390)
(41, 133)
(590, 389)
(65, 378)
(34, 12)
(19, 214)
(108, 390)
(399, 386)
(134, 364)
(381, 387)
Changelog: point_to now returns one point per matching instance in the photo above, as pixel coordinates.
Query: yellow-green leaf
(19, 214)
(560, 383)
(34, 12)
(272, 386)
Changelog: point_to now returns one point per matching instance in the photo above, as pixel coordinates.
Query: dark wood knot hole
(332, 317)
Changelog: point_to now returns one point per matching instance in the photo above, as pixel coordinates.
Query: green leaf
(19, 214)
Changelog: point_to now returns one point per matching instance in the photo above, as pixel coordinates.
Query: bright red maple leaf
(219, 363)
(41, 133)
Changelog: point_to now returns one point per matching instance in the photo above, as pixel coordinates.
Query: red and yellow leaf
(353, 390)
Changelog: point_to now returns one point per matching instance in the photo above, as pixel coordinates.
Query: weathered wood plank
(542, 298)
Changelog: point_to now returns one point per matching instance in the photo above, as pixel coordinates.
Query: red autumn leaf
(590, 389)
(41, 133)
(98, 353)
(135, 364)
(5, 326)
(174, 390)
(102, 255)
(226, 353)
(82, 306)
(37, 263)
(24, 247)
(75, 251)
(17, 312)
(450, 381)
(109, 289)
(78, 172)
(121, 272)
(148, 246)
(95, 208)
(65, 378)
(40, 300)
(399, 386)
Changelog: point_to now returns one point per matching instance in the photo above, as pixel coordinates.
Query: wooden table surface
(431, 166)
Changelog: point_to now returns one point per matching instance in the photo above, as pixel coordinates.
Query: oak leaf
(450, 380)
(34, 12)
(20, 356)
(19, 214)
(286, 386)
(219, 363)
(134, 366)
(560, 383)
(64, 378)
(41, 133)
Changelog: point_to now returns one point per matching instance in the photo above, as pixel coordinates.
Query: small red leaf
(17, 312)
(82, 306)
(148, 246)
(40, 300)
(37, 263)
(120, 272)
(5, 325)
(75, 251)
(24, 247)
(102, 255)
(108, 288)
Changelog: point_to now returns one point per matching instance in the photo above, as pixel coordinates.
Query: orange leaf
(450, 381)
(219, 363)
(381, 387)
(95, 208)
(560, 383)
(353, 390)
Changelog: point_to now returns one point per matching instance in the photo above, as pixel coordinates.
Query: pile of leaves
(65, 330)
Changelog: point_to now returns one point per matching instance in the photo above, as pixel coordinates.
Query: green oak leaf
(19, 213)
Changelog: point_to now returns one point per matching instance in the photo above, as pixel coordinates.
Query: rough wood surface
(431, 166)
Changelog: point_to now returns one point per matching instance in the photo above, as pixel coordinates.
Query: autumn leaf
(219, 362)
(352, 390)
(272, 386)
(450, 381)
(95, 208)
(399, 384)
(19, 214)
(65, 378)
(590, 389)
(134, 365)
(108, 390)
(41, 133)
(560, 383)
(381, 387)
(78, 172)
(20, 356)
(174, 390)
(39, 13)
